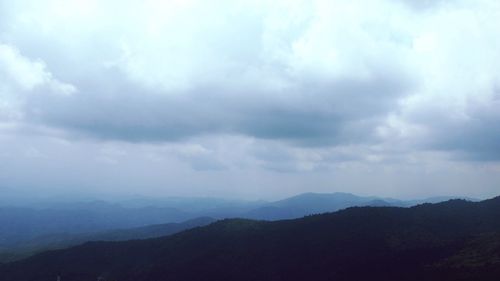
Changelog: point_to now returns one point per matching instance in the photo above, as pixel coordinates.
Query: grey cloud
(313, 113)
(472, 135)
(477, 138)
(113, 103)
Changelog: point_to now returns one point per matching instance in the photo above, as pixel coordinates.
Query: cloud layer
(289, 86)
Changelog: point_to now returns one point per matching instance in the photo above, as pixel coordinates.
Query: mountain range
(54, 225)
(453, 240)
(64, 240)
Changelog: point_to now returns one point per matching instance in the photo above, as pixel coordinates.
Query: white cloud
(21, 77)
(20, 71)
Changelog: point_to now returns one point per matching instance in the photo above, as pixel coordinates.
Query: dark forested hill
(454, 240)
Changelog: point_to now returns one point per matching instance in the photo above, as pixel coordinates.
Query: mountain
(18, 225)
(24, 231)
(453, 240)
(436, 199)
(311, 203)
(64, 240)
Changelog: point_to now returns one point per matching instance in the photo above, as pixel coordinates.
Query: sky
(250, 99)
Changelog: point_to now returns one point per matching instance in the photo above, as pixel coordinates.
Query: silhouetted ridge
(64, 240)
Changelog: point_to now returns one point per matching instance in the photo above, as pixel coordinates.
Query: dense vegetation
(454, 240)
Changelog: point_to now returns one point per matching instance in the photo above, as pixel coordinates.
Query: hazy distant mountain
(18, 225)
(64, 240)
(192, 204)
(454, 240)
(21, 224)
(311, 203)
(436, 199)
(317, 203)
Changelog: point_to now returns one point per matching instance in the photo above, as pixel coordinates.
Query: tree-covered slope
(65, 240)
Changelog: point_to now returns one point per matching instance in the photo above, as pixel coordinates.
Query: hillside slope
(65, 240)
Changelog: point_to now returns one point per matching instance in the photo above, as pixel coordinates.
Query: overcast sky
(250, 99)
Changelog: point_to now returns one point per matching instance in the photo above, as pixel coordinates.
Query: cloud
(309, 113)
(425, 5)
(21, 79)
(455, 106)
(237, 68)
(253, 89)
(475, 136)
(320, 73)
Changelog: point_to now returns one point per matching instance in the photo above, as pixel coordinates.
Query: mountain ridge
(21, 227)
(388, 243)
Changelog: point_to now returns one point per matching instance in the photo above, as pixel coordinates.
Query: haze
(249, 99)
